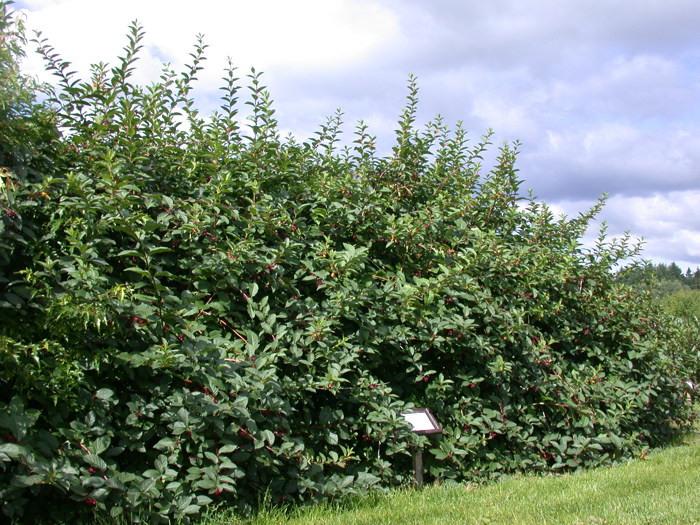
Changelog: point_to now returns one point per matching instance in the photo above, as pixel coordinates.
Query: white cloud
(659, 214)
(668, 224)
(612, 157)
(268, 34)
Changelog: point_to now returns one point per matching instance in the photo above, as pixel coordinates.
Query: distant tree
(693, 280)
(671, 272)
(676, 271)
(660, 280)
(665, 287)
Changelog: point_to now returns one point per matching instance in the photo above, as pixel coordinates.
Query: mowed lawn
(663, 488)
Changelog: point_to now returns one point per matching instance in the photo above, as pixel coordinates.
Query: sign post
(423, 422)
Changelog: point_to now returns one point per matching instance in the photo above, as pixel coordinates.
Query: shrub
(26, 128)
(683, 310)
(196, 311)
(684, 304)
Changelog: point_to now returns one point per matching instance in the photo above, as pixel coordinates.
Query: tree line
(662, 278)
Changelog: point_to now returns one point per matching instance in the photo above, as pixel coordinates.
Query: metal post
(418, 466)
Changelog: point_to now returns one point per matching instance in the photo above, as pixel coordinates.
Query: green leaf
(95, 461)
(27, 481)
(12, 451)
(158, 250)
(204, 500)
(131, 253)
(93, 482)
(104, 393)
(147, 485)
(167, 444)
(100, 444)
(17, 419)
(161, 463)
(268, 436)
(139, 271)
(191, 509)
(206, 484)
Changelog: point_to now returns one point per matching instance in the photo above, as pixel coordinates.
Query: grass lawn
(665, 488)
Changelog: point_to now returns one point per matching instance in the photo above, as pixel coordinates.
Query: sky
(604, 96)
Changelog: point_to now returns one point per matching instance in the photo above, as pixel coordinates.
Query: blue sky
(603, 96)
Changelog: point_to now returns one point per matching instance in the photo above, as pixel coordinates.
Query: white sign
(422, 421)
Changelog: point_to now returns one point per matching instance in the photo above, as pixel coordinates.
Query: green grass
(665, 488)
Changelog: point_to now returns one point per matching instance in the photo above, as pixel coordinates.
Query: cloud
(546, 35)
(657, 214)
(668, 223)
(614, 158)
(301, 36)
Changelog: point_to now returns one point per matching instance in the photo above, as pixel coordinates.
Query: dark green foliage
(677, 295)
(196, 311)
(26, 128)
(683, 308)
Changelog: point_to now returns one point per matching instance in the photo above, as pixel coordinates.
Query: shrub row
(195, 310)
